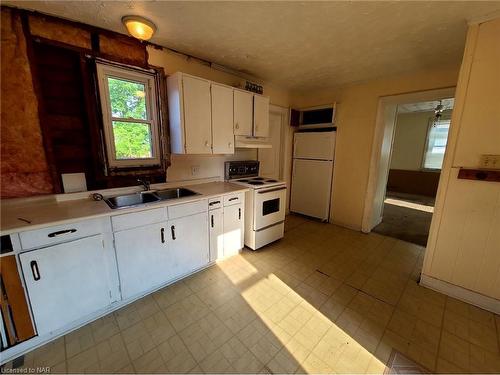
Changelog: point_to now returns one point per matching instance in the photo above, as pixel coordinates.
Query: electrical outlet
(490, 161)
(195, 170)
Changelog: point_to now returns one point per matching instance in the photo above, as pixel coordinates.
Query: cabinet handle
(229, 144)
(239, 213)
(214, 202)
(237, 126)
(212, 220)
(34, 270)
(233, 199)
(206, 143)
(162, 232)
(172, 230)
(61, 232)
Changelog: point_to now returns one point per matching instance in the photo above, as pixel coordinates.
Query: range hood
(242, 141)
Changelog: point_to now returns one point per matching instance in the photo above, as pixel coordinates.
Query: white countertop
(42, 212)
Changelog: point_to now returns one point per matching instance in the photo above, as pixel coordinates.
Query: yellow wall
(208, 166)
(464, 245)
(356, 115)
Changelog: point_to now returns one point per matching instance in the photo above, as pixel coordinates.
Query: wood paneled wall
(413, 182)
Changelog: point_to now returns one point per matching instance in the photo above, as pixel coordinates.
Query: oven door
(269, 206)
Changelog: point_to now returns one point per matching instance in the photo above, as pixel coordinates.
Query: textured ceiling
(298, 45)
(426, 106)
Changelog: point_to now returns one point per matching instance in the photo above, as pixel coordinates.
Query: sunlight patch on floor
(414, 206)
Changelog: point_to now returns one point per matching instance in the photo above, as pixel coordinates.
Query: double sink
(130, 200)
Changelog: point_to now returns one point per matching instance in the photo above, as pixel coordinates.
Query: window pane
(436, 144)
(132, 140)
(128, 99)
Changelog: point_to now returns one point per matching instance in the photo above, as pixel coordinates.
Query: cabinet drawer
(214, 203)
(231, 199)
(187, 209)
(63, 233)
(138, 219)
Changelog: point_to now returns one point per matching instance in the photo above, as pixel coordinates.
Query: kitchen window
(437, 137)
(130, 116)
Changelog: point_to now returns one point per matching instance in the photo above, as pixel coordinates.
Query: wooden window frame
(149, 80)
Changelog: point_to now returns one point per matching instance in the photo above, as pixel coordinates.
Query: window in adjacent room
(437, 136)
(130, 116)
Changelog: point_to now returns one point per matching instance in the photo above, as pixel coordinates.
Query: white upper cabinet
(251, 114)
(243, 113)
(197, 113)
(205, 116)
(190, 113)
(222, 119)
(261, 116)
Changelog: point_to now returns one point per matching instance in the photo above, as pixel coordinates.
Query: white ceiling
(426, 106)
(298, 45)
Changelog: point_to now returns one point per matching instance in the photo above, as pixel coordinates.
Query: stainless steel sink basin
(174, 193)
(131, 200)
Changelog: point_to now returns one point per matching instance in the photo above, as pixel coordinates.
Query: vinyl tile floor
(324, 299)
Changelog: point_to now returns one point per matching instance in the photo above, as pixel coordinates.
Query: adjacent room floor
(324, 299)
(407, 217)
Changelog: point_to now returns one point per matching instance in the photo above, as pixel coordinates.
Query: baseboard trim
(466, 295)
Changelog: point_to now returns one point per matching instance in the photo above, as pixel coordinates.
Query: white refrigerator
(312, 176)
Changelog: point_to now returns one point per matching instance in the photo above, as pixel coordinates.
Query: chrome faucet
(145, 183)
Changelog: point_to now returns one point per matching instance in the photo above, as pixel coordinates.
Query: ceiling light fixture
(139, 27)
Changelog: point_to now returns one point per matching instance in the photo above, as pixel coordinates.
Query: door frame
(286, 143)
(383, 138)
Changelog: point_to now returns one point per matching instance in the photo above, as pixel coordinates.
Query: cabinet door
(197, 115)
(215, 218)
(143, 258)
(243, 113)
(261, 116)
(66, 282)
(188, 243)
(233, 229)
(222, 120)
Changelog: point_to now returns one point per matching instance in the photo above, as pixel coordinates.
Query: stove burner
(255, 182)
(258, 178)
(271, 180)
(243, 180)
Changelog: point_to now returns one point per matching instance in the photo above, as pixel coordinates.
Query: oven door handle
(271, 190)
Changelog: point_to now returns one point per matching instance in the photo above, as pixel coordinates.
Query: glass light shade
(139, 27)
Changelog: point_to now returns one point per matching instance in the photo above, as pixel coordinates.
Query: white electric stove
(264, 203)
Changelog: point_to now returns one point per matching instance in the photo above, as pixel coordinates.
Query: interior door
(66, 282)
(270, 158)
(311, 188)
(143, 258)
(188, 243)
(233, 229)
(216, 223)
(197, 115)
(222, 119)
(243, 113)
(261, 116)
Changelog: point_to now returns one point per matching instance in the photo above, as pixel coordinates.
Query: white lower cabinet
(66, 282)
(234, 229)
(216, 234)
(188, 245)
(144, 260)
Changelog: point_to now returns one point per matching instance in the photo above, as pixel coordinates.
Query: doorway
(411, 137)
(418, 147)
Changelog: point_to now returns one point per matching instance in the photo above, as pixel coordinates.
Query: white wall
(208, 166)
(464, 243)
(410, 138)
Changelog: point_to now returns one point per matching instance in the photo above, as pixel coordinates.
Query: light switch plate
(490, 161)
(74, 182)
